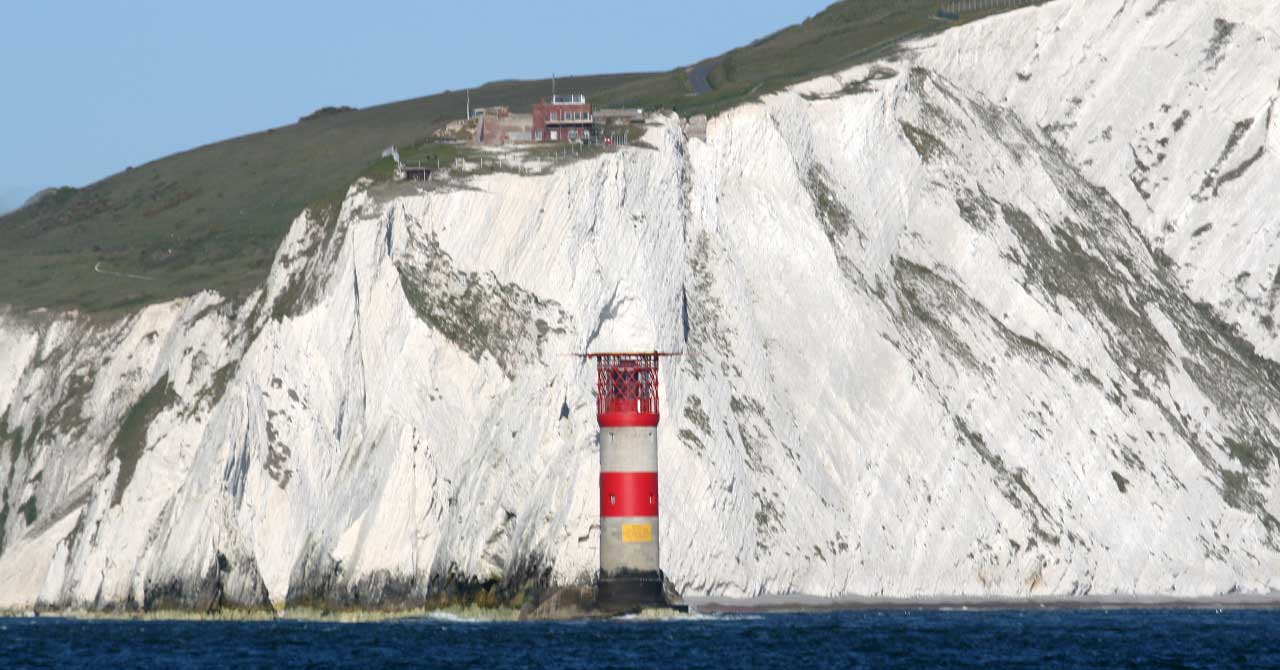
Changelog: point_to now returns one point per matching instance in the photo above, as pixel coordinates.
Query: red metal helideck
(627, 389)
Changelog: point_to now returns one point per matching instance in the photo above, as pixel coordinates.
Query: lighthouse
(627, 410)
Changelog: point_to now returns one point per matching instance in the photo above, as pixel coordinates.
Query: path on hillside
(869, 53)
(698, 77)
(698, 73)
(97, 267)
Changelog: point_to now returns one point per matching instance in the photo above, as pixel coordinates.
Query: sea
(927, 638)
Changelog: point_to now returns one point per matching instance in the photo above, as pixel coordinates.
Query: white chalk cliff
(993, 317)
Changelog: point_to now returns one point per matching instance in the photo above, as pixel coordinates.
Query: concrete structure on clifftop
(565, 118)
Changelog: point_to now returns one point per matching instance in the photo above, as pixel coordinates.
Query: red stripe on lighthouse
(627, 419)
(628, 494)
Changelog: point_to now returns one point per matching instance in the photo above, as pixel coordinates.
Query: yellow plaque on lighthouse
(637, 532)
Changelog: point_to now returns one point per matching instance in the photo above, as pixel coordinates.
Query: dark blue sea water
(859, 639)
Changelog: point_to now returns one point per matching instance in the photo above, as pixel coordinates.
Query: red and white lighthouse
(627, 410)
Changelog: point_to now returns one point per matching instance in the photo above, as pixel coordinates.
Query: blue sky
(92, 87)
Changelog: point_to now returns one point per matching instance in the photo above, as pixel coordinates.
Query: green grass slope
(212, 217)
(845, 33)
(839, 36)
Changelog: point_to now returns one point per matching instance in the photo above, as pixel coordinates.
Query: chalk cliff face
(995, 317)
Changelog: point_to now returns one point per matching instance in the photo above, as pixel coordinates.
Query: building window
(573, 133)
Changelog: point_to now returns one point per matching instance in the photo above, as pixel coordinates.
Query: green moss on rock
(131, 441)
(29, 510)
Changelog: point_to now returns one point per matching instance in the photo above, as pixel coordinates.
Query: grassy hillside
(212, 217)
(839, 36)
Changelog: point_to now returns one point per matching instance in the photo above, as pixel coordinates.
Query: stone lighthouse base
(627, 593)
(635, 592)
(607, 599)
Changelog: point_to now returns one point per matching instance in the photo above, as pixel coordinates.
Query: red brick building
(565, 118)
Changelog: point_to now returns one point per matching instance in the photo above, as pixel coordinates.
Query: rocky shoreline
(574, 603)
(802, 603)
